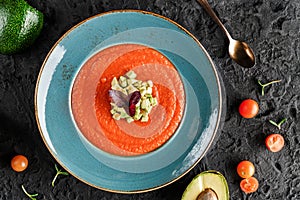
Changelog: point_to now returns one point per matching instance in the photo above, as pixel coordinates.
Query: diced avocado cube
(117, 109)
(116, 116)
(112, 111)
(143, 91)
(138, 104)
(153, 101)
(114, 82)
(149, 109)
(137, 110)
(120, 110)
(145, 118)
(129, 119)
(145, 104)
(137, 116)
(148, 104)
(148, 96)
(131, 74)
(124, 91)
(138, 84)
(131, 81)
(122, 78)
(124, 115)
(123, 84)
(123, 81)
(120, 89)
(149, 90)
(144, 84)
(143, 98)
(143, 88)
(150, 83)
(130, 89)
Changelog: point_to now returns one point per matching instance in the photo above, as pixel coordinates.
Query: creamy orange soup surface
(91, 107)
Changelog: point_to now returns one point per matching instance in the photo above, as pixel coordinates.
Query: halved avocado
(208, 185)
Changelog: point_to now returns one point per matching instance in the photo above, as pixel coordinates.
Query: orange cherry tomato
(19, 163)
(274, 142)
(245, 169)
(249, 185)
(248, 108)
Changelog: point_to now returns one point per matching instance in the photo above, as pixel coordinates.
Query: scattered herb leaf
(58, 172)
(31, 196)
(119, 98)
(278, 125)
(266, 84)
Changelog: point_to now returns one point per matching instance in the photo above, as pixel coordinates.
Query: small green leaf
(31, 196)
(278, 125)
(281, 122)
(56, 168)
(272, 122)
(58, 172)
(265, 85)
(64, 173)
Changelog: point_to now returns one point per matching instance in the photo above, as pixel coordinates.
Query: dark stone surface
(271, 27)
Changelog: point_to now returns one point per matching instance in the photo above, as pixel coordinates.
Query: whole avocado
(20, 25)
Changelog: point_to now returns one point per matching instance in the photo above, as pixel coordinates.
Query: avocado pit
(207, 194)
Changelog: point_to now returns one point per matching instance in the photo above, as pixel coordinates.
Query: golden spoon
(239, 51)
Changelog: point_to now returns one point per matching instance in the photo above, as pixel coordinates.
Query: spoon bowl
(239, 51)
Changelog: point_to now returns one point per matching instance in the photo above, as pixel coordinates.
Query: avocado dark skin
(20, 25)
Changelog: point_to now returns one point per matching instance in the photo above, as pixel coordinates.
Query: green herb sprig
(278, 125)
(266, 84)
(31, 196)
(58, 172)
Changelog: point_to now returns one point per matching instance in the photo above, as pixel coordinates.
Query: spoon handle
(209, 10)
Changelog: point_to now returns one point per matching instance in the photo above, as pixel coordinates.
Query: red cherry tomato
(19, 163)
(248, 108)
(245, 169)
(249, 185)
(274, 142)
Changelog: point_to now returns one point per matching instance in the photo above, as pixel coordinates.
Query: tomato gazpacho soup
(128, 99)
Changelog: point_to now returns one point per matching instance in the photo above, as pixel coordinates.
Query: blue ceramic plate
(141, 173)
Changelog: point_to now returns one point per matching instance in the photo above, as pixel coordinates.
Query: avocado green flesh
(208, 179)
(20, 25)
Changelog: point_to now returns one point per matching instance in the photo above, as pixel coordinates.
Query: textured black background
(271, 27)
